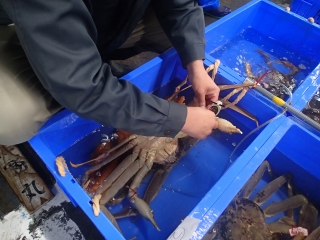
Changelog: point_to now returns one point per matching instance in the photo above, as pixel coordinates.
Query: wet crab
(312, 110)
(244, 218)
(274, 77)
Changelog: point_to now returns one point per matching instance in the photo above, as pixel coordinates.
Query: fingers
(213, 97)
(200, 100)
(199, 122)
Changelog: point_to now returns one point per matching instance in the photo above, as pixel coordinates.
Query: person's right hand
(199, 122)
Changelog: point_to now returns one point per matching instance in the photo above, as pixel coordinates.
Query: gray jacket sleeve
(59, 40)
(183, 22)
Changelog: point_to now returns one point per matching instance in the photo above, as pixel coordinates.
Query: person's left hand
(204, 87)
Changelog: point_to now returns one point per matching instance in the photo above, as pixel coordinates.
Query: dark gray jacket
(65, 39)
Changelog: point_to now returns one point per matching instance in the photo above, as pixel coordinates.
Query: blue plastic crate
(307, 8)
(194, 183)
(263, 25)
(291, 148)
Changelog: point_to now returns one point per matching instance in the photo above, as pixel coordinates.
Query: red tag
(296, 230)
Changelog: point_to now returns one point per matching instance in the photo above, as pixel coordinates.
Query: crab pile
(245, 219)
(276, 82)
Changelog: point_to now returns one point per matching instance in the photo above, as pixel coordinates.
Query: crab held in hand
(226, 126)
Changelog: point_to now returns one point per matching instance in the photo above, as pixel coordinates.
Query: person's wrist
(195, 67)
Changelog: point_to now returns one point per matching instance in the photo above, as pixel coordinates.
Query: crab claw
(227, 127)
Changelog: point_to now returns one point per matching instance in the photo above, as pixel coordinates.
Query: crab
(286, 81)
(245, 219)
(312, 110)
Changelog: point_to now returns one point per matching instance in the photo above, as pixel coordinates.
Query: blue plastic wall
(263, 25)
(290, 149)
(307, 8)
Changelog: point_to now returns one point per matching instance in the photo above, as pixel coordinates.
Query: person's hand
(199, 122)
(202, 84)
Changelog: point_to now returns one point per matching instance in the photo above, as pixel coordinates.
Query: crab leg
(238, 87)
(152, 191)
(118, 198)
(106, 154)
(155, 184)
(308, 216)
(279, 227)
(110, 217)
(142, 207)
(248, 70)
(287, 220)
(288, 64)
(118, 171)
(214, 67)
(231, 86)
(293, 202)
(114, 183)
(314, 235)
(107, 160)
(250, 186)
(236, 90)
(266, 58)
(127, 212)
(270, 188)
(289, 212)
(177, 90)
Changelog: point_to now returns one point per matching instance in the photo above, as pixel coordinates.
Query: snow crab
(275, 77)
(312, 110)
(245, 219)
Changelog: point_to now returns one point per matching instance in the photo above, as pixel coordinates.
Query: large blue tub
(195, 183)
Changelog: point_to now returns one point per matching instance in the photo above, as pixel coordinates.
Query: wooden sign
(26, 183)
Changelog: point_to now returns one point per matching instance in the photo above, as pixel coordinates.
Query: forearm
(183, 22)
